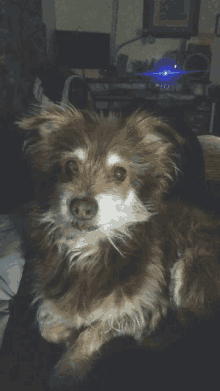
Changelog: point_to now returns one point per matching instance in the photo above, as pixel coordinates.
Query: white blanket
(11, 264)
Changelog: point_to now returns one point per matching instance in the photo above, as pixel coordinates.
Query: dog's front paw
(72, 370)
(53, 326)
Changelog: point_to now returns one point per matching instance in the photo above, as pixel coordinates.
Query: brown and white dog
(112, 252)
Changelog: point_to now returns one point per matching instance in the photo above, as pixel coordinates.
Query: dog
(114, 245)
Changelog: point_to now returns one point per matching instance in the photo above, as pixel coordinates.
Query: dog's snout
(84, 208)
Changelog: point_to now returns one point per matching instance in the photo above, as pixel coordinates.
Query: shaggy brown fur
(112, 252)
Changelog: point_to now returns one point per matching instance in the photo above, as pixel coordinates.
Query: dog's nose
(84, 208)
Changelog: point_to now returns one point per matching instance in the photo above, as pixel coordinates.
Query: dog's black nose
(84, 208)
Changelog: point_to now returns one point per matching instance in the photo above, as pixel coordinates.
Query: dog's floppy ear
(48, 118)
(161, 145)
(179, 149)
(152, 128)
(43, 128)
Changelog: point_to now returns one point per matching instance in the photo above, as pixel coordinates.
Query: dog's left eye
(120, 174)
(71, 168)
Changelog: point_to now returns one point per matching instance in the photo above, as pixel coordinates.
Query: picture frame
(171, 18)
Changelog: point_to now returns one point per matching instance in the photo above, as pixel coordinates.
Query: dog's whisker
(177, 169)
(113, 244)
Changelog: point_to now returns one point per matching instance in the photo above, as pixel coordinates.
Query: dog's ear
(152, 128)
(45, 134)
(48, 118)
(161, 145)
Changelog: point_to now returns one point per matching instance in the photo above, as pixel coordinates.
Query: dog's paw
(56, 334)
(53, 326)
(71, 371)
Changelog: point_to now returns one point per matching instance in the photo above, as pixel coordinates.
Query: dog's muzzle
(84, 208)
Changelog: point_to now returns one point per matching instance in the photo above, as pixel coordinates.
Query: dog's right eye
(120, 174)
(71, 168)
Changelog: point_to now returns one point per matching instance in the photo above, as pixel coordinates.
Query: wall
(84, 15)
(96, 15)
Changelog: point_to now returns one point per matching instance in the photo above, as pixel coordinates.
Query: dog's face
(111, 173)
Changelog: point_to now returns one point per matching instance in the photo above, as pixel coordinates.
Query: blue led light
(165, 72)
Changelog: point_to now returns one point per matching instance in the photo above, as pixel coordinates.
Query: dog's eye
(72, 168)
(120, 174)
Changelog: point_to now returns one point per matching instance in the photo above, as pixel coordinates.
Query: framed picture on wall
(171, 18)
